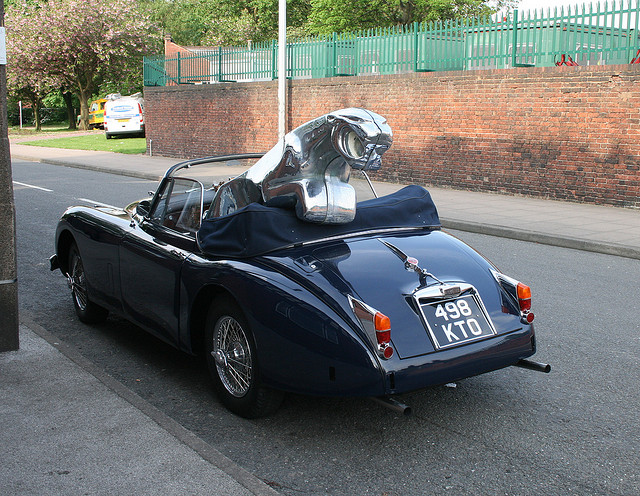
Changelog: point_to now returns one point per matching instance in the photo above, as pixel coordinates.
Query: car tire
(232, 360)
(87, 311)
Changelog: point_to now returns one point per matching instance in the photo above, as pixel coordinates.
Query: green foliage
(328, 16)
(223, 22)
(186, 20)
(235, 22)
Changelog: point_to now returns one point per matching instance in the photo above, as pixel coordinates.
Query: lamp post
(282, 68)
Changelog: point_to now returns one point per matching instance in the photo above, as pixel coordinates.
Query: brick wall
(570, 133)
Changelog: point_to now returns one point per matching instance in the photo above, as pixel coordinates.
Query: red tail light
(524, 300)
(524, 297)
(383, 334)
(377, 326)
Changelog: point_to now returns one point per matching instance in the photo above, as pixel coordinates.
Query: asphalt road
(512, 432)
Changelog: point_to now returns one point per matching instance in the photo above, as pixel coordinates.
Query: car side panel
(304, 345)
(150, 276)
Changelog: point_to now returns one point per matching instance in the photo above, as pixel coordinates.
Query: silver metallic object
(310, 168)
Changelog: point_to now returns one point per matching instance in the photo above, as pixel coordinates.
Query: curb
(243, 477)
(96, 168)
(541, 238)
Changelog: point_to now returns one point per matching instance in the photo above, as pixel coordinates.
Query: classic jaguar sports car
(295, 277)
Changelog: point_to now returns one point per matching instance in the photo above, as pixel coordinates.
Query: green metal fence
(590, 34)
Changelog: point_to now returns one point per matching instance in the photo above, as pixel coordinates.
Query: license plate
(457, 321)
(123, 120)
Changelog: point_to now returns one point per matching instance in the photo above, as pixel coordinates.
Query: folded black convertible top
(258, 229)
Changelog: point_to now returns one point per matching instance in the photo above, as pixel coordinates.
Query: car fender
(304, 344)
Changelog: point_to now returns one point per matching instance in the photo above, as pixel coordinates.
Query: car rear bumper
(465, 361)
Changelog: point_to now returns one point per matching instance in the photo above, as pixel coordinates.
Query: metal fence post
(335, 55)
(415, 46)
(179, 81)
(274, 60)
(515, 37)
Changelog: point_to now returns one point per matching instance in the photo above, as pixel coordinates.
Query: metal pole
(282, 68)
(20, 107)
(9, 323)
(515, 37)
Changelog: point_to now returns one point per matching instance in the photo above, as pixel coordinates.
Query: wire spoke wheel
(78, 283)
(233, 361)
(232, 354)
(87, 311)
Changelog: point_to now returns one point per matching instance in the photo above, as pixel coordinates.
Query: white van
(124, 115)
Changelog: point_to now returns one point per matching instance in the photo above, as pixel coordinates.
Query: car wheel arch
(198, 315)
(65, 241)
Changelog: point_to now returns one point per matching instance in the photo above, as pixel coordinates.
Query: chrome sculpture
(310, 168)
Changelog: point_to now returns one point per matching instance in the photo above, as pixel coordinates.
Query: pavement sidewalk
(69, 428)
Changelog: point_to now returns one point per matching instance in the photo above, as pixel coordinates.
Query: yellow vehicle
(96, 113)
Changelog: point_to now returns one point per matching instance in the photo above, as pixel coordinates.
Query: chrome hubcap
(232, 355)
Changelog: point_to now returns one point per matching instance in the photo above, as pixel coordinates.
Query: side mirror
(143, 208)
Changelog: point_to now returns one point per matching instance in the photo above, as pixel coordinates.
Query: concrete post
(9, 322)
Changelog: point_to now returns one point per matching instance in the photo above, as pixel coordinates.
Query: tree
(188, 21)
(223, 22)
(328, 16)
(81, 43)
(25, 78)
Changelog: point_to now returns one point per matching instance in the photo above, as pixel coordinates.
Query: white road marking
(97, 203)
(32, 186)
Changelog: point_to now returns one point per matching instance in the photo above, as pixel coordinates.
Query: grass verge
(49, 128)
(95, 142)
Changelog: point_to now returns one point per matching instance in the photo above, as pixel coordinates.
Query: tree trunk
(84, 112)
(83, 95)
(35, 105)
(71, 115)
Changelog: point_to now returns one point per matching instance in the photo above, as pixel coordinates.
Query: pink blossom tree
(25, 81)
(81, 43)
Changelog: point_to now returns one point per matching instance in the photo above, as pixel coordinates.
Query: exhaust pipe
(531, 365)
(393, 404)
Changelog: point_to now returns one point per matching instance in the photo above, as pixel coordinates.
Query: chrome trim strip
(439, 291)
(356, 234)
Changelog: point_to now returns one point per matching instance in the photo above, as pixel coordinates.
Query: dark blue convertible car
(293, 277)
